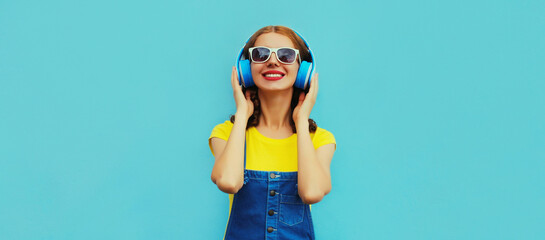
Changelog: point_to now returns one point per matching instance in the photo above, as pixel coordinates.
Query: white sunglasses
(284, 55)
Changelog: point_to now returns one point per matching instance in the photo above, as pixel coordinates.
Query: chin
(273, 86)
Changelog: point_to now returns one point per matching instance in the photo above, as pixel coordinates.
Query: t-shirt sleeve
(323, 137)
(222, 131)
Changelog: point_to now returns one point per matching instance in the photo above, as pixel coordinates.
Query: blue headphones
(304, 74)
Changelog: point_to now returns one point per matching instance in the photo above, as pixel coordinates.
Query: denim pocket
(292, 209)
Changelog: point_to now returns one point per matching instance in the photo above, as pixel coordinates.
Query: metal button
(270, 229)
(271, 212)
(272, 193)
(273, 175)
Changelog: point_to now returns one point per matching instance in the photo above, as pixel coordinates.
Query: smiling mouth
(273, 76)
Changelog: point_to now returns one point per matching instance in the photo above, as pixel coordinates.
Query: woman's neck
(275, 109)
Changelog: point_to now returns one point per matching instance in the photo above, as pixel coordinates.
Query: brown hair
(253, 121)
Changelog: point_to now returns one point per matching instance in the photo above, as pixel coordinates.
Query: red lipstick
(273, 75)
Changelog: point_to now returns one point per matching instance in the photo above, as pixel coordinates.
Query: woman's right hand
(245, 106)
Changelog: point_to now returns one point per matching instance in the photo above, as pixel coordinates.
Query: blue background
(437, 108)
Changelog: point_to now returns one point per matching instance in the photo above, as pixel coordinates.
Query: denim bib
(268, 206)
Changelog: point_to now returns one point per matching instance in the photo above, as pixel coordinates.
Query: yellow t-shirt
(269, 154)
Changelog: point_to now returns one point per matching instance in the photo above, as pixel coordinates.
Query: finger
(234, 80)
(312, 85)
(233, 77)
(247, 95)
(301, 98)
(316, 87)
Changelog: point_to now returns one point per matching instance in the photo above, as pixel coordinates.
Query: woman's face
(260, 71)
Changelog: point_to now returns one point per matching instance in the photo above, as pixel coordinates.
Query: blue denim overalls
(269, 207)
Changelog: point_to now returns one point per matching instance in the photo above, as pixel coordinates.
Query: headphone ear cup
(303, 75)
(245, 73)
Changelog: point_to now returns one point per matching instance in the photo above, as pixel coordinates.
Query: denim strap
(245, 171)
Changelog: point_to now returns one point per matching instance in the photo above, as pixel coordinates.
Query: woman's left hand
(306, 102)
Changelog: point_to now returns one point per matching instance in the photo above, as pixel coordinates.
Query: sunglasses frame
(275, 51)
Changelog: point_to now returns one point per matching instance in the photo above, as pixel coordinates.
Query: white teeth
(273, 75)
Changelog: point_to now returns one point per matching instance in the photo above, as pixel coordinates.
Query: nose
(273, 60)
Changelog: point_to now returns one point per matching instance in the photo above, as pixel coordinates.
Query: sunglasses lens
(286, 55)
(260, 54)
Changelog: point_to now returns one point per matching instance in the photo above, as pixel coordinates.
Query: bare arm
(314, 178)
(228, 171)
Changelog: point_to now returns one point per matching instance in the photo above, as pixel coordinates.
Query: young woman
(271, 157)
